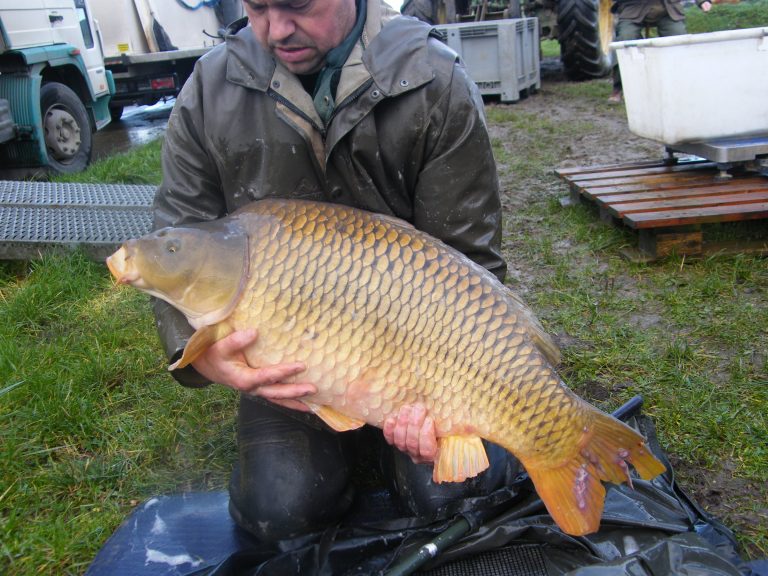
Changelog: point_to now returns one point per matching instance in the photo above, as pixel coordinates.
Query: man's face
(300, 33)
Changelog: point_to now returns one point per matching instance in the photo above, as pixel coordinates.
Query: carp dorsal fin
(545, 344)
(199, 342)
(459, 458)
(536, 332)
(334, 419)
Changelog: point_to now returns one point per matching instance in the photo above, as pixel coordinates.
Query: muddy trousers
(294, 474)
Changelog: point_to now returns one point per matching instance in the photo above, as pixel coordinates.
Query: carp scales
(384, 315)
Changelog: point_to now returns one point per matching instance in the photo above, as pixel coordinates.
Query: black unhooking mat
(651, 530)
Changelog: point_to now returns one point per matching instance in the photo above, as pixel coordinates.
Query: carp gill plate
(385, 315)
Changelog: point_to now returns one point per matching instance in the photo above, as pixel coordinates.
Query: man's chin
(298, 63)
(301, 68)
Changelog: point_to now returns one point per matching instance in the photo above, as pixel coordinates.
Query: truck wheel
(585, 31)
(66, 128)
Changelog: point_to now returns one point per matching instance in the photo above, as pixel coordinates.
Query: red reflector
(162, 83)
(74, 52)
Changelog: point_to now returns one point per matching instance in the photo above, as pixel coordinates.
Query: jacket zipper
(352, 97)
(298, 111)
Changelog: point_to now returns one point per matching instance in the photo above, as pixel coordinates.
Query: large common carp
(384, 315)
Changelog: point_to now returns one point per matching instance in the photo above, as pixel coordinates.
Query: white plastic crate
(696, 87)
(501, 56)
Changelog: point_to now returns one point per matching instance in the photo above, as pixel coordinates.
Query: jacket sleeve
(457, 194)
(190, 192)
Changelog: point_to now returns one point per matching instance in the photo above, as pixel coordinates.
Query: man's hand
(706, 6)
(225, 363)
(412, 431)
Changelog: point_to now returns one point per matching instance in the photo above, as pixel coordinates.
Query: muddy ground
(729, 499)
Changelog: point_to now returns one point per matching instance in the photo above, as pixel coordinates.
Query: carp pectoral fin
(336, 420)
(199, 342)
(573, 492)
(459, 458)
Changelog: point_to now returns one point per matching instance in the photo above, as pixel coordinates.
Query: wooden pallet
(667, 203)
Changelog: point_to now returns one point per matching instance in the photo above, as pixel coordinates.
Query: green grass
(550, 48)
(691, 336)
(745, 14)
(90, 421)
(140, 166)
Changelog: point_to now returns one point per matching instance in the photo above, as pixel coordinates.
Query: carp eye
(172, 247)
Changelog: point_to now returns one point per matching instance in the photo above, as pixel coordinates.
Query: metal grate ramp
(519, 560)
(39, 216)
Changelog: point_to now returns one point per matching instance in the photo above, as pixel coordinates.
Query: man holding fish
(340, 101)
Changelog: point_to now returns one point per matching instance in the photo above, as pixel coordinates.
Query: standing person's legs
(625, 30)
(669, 27)
(293, 475)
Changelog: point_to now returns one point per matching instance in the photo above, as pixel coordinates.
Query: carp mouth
(119, 268)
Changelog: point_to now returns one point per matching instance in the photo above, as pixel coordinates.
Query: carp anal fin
(459, 458)
(199, 342)
(336, 420)
(573, 492)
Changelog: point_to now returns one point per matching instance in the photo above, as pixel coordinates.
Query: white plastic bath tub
(696, 87)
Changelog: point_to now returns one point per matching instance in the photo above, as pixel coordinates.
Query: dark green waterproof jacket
(407, 138)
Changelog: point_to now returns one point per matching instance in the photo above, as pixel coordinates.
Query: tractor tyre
(66, 129)
(585, 32)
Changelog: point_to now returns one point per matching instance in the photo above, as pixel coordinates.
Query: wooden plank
(705, 215)
(648, 171)
(673, 191)
(147, 19)
(661, 244)
(592, 190)
(693, 180)
(650, 179)
(654, 163)
(566, 172)
(736, 201)
(654, 182)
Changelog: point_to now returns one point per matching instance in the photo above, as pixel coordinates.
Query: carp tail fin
(612, 444)
(573, 492)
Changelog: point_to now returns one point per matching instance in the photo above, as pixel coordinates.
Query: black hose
(431, 549)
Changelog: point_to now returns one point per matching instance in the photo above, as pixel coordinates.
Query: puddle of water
(138, 125)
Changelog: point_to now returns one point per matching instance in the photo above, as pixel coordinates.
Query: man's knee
(627, 30)
(419, 495)
(292, 476)
(278, 500)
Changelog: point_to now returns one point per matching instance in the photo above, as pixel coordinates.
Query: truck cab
(54, 87)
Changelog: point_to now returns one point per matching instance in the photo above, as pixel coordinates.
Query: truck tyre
(66, 129)
(585, 31)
